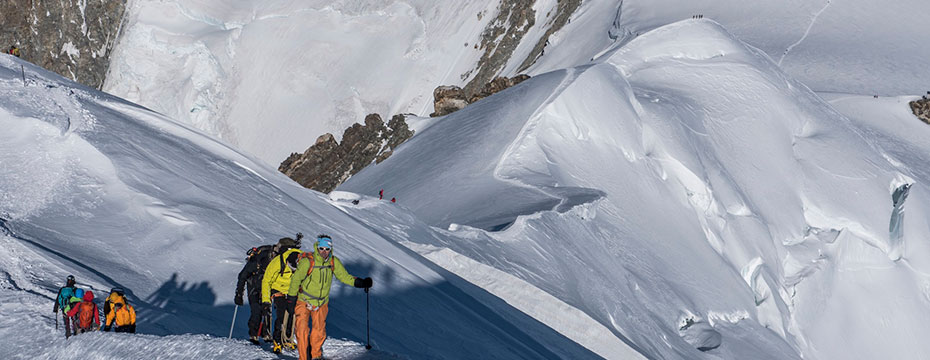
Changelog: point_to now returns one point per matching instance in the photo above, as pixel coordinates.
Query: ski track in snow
(806, 32)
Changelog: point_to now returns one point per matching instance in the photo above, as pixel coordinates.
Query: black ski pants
(125, 329)
(283, 323)
(255, 315)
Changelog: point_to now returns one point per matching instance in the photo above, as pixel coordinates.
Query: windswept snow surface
(118, 195)
(269, 77)
(689, 196)
(852, 46)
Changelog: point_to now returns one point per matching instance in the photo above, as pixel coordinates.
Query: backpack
(309, 255)
(64, 296)
(86, 315)
(263, 255)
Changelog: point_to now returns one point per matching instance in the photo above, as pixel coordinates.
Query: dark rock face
(503, 33)
(497, 85)
(327, 164)
(448, 99)
(921, 108)
(565, 10)
(71, 38)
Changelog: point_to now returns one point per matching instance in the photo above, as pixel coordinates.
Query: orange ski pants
(304, 315)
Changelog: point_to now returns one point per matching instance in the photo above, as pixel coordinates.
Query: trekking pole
(368, 318)
(235, 311)
(56, 320)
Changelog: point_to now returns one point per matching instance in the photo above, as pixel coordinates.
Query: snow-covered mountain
(686, 193)
(270, 77)
(117, 195)
(654, 191)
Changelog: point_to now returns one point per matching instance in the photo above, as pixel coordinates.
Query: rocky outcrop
(448, 99)
(327, 163)
(921, 108)
(497, 85)
(71, 38)
(503, 33)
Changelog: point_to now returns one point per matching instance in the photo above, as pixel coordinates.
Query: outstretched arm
(342, 274)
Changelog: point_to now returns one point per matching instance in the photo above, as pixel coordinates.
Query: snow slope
(334, 62)
(863, 47)
(269, 77)
(688, 195)
(118, 195)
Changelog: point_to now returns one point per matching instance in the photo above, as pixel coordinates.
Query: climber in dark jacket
(251, 277)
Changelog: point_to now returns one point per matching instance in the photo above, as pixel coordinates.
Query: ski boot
(254, 340)
(276, 348)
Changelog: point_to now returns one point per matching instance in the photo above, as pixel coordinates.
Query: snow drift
(689, 196)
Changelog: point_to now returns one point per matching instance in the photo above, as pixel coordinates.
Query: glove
(266, 308)
(363, 283)
(238, 299)
(106, 328)
(291, 304)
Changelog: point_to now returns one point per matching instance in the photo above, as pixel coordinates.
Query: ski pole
(235, 311)
(368, 318)
(56, 320)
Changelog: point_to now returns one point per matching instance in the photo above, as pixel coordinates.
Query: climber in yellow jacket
(275, 283)
(121, 314)
(308, 295)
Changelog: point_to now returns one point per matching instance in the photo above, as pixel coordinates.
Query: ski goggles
(324, 248)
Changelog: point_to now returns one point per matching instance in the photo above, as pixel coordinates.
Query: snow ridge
(806, 32)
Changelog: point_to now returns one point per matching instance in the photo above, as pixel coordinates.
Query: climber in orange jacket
(122, 314)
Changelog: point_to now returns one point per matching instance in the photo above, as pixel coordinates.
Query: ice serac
(718, 189)
(271, 76)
